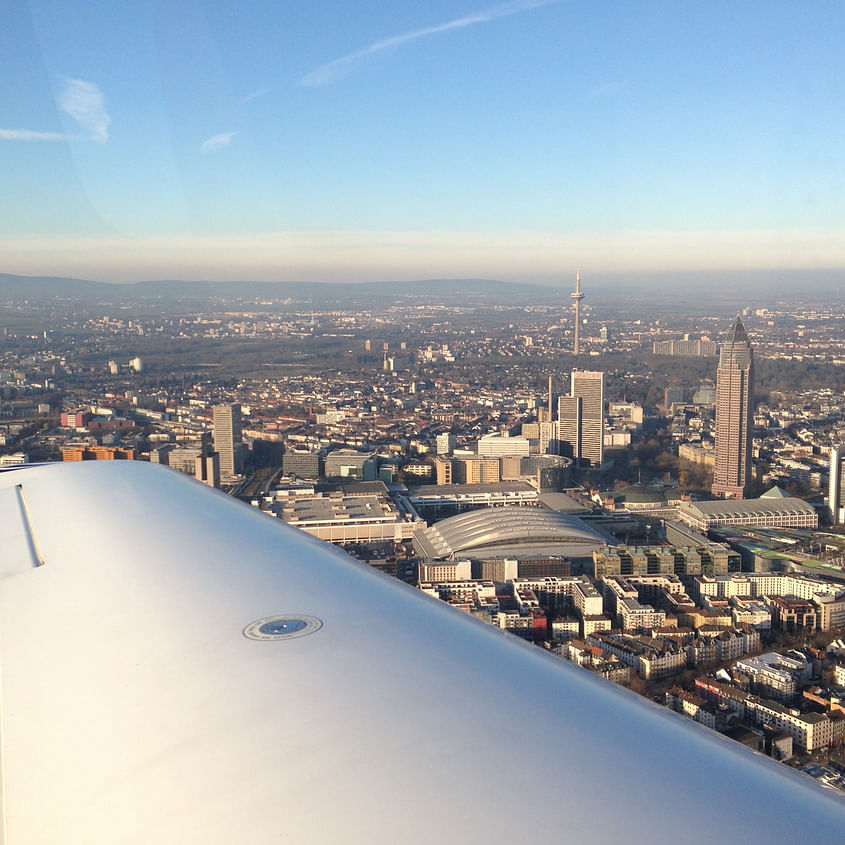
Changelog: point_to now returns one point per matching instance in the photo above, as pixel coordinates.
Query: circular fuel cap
(284, 627)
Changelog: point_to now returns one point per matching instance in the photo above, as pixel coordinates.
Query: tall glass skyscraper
(734, 391)
(581, 419)
(836, 488)
(226, 421)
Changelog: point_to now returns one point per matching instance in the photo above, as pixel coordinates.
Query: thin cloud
(254, 95)
(84, 102)
(30, 135)
(217, 142)
(331, 72)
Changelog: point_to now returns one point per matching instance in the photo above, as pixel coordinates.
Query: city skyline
(515, 140)
(446, 473)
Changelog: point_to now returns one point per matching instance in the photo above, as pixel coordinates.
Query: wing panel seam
(30, 530)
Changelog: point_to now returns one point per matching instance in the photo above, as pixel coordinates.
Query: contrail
(328, 73)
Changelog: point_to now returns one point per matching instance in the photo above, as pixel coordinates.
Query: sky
(376, 140)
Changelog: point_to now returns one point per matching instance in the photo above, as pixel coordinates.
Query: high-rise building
(548, 438)
(836, 487)
(569, 426)
(207, 465)
(589, 387)
(227, 437)
(734, 387)
(581, 419)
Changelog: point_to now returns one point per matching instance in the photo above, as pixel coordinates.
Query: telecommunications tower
(577, 296)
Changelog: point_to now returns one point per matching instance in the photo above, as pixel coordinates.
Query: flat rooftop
(470, 489)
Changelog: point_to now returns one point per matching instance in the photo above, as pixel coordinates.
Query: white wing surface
(135, 709)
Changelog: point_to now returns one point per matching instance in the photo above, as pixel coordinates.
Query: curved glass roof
(489, 528)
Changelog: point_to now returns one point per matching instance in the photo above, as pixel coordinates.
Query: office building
(450, 570)
(351, 464)
(686, 348)
(443, 470)
(497, 444)
(180, 458)
(568, 442)
(548, 440)
(734, 386)
(581, 419)
(301, 463)
(226, 421)
(836, 486)
(207, 464)
(359, 518)
(98, 453)
(705, 395)
(435, 499)
(75, 419)
(478, 470)
(673, 396)
(207, 469)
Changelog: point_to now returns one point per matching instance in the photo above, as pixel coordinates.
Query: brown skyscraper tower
(734, 386)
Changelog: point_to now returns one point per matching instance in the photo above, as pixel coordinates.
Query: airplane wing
(178, 667)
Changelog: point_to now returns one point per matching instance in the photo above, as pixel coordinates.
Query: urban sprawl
(657, 497)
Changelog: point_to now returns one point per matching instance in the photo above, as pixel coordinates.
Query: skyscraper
(734, 388)
(569, 426)
(207, 465)
(581, 419)
(227, 437)
(836, 487)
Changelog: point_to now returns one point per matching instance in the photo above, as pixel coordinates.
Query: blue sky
(379, 140)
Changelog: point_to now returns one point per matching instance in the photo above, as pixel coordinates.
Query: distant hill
(45, 287)
(681, 292)
(453, 291)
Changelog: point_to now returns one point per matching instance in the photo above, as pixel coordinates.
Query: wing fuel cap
(287, 626)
